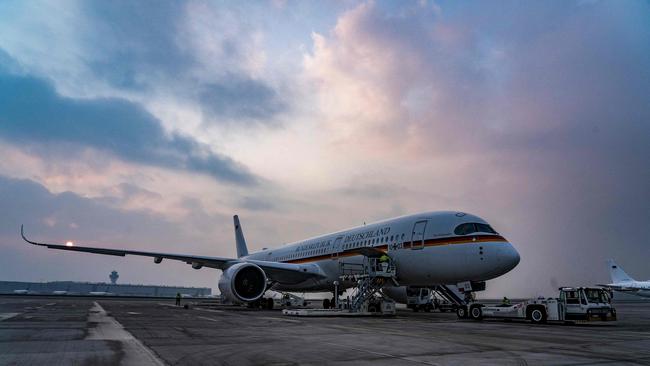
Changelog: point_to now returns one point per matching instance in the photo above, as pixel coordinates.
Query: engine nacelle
(243, 283)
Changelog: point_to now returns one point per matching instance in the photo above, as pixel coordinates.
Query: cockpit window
(470, 227)
(465, 229)
(485, 228)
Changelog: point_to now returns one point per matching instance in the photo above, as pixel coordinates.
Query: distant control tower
(114, 276)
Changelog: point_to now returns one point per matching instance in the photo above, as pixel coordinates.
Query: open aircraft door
(417, 235)
(336, 248)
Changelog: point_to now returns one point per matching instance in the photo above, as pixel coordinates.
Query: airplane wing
(289, 273)
(276, 271)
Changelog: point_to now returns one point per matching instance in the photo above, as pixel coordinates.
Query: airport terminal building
(95, 288)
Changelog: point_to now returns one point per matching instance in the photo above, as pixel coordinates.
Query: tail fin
(616, 273)
(239, 239)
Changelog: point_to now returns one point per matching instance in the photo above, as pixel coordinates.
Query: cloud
(131, 195)
(535, 117)
(258, 204)
(531, 115)
(35, 116)
(242, 99)
(68, 216)
(207, 55)
(130, 44)
(195, 55)
(468, 79)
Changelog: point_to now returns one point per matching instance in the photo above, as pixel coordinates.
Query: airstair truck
(574, 304)
(419, 298)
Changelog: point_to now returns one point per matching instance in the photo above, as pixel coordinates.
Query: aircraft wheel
(269, 303)
(537, 316)
(461, 312)
(428, 308)
(476, 313)
(372, 308)
(326, 303)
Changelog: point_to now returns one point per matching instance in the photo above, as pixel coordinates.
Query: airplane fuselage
(638, 288)
(427, 249)
(622, 282)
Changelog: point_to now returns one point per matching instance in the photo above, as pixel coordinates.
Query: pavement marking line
(165, 304)
(383, 354)
(259, 317)
(210, 319)
(5, 316)
(280, 319)
(211, 310)
(107, 328)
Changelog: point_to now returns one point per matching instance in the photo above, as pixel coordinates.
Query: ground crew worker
(505, 301)
(383, 260)
(178, 299)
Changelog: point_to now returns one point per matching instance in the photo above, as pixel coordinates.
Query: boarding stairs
(452, 294)
(370, 276)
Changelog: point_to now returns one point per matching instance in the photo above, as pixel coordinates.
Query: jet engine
(243, 283)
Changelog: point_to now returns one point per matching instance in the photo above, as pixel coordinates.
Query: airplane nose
(510, 257)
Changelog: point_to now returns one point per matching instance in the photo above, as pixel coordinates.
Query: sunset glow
(148, 126)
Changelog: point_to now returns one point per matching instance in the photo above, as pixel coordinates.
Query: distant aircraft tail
(616, 273)
(239, 239)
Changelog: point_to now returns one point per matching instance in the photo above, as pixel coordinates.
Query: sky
(148, 124)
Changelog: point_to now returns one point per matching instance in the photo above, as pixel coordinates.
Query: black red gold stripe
(427, 243)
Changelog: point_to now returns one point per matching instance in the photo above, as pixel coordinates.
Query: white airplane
(623, 283)
(427, 249)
